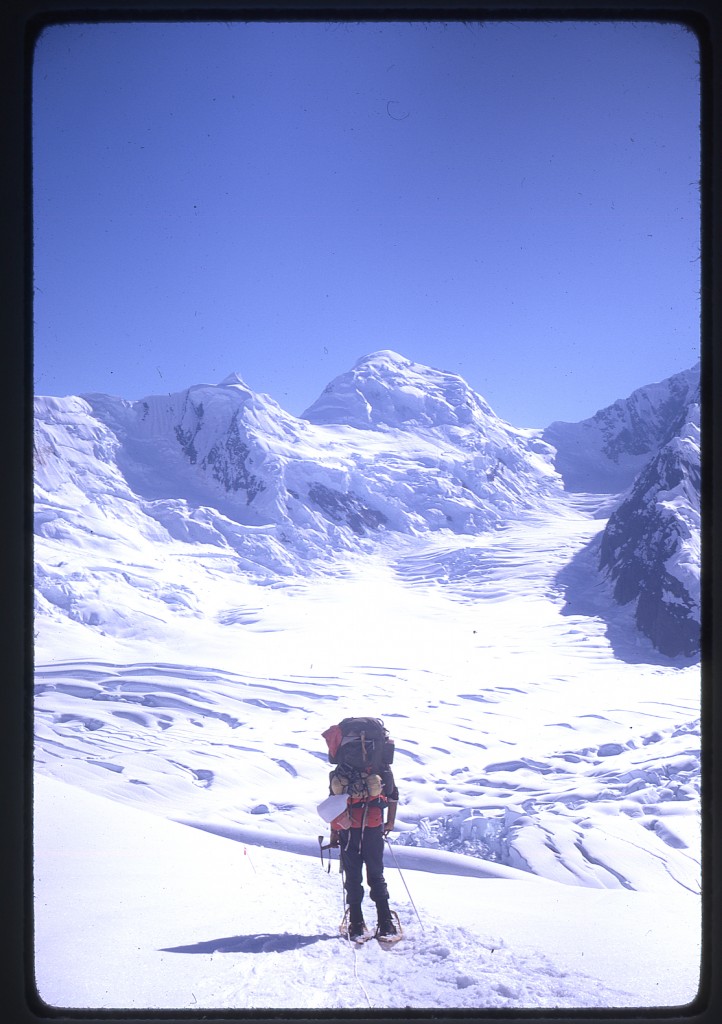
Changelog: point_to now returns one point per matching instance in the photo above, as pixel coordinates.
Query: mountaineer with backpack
(363, 751)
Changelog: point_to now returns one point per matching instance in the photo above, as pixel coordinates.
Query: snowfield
(135, 911)
(189, 654)
(519, 733)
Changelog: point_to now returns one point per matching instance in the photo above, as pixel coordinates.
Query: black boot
(356, 923)
(386, 924)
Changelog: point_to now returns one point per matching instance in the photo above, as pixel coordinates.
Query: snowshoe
(389, 931)
(354, 928)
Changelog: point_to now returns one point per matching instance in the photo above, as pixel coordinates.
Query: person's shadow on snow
(262, 943)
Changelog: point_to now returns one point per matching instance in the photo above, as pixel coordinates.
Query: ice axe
(326, 846)
(329, 809)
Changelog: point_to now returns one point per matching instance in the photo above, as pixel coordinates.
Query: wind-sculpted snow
(232, 748)
(521, 739)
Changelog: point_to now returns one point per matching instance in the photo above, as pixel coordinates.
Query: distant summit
(386, 390)
(603, 454)
(234, 380)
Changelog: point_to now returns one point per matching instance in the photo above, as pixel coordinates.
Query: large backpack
(361, 743)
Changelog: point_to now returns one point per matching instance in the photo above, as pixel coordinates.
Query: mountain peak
(386, 390)
(234, 380)
(383, 358)
(606, 451)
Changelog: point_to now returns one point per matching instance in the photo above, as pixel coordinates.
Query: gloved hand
(335, 838)
(388, 827)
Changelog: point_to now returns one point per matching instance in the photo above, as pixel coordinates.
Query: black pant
(359, 847)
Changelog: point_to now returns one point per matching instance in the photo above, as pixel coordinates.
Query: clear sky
(515, 202)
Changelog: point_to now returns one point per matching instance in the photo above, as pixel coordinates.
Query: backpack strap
(363, 825)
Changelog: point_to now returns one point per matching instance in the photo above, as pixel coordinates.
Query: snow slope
(195, 922)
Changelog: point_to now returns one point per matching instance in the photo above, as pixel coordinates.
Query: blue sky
(515, 202)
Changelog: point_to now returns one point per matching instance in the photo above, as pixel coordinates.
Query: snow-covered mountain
(391, 448)
(651, 545)
(384, 391)
(608, 450)
(645, 450)
(222, 465)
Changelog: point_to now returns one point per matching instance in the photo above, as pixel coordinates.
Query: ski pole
(393, 854)
(245, 854)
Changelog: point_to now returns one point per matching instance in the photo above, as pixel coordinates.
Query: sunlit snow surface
(533, 727)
